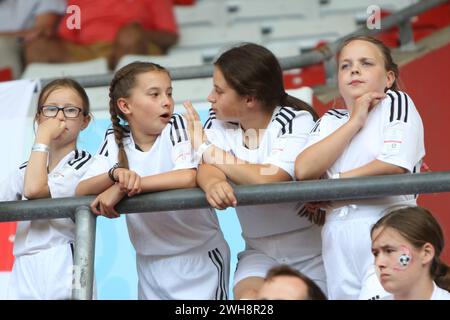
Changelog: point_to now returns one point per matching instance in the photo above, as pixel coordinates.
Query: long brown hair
(418, 226)
(124, 80)
(389, 63)
(253, 70)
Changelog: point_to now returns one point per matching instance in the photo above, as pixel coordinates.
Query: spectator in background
(110, 29)
(22, 22)
(407, 244)
(285, 283)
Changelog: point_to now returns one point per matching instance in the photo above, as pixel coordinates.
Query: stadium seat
(49, 70)
(172, 60)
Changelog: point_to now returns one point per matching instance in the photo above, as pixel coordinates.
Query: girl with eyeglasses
(43, 249)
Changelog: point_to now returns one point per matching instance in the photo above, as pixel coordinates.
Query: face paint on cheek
(404, 259)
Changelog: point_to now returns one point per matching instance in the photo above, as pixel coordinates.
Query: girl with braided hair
(179, 255)
(407, 244)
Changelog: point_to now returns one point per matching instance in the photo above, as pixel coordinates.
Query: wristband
(111, 172)
(203, 147)
(40, 147)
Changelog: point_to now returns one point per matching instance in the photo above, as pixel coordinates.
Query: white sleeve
(182, 153)
(403, 137)
(290, 142)
(64, 185)
(215, 130)
(103, 160)
(11, 189)
(315, 135)
(55, 6)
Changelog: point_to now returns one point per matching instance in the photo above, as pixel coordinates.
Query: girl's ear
(427, 253)
(390, 79)
(123, 105)
(250, 101)
(86, 121)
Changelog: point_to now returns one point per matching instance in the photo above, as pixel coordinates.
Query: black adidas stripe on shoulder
(316, 127)
(108, 132)
(23, 165)
(178, 131)
(337, 113)
(285, 117)
(104, 149)
(80, 159)
(212, 116)
(126, 131)
(399, 106)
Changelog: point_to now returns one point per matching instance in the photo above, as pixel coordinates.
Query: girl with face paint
(406, 244)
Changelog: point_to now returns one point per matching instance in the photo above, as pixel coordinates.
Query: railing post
(330, 66)
(406, 36)
(83, 269)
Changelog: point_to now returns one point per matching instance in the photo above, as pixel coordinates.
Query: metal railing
(400, 18)
(336, 189)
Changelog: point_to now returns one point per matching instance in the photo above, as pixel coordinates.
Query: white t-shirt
(166, 232)
(36, 235)
(283, 139)
(17, 15)
(393, 133)
(438, 294)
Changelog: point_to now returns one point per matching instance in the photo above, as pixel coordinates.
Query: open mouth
(166, 115)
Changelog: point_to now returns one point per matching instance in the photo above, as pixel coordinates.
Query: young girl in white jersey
(407, 244)
(43, 249)
(255, 131)
(180, 255)
(380, 132)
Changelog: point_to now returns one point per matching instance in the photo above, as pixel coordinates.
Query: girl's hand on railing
(194, 125)
(221, 195)
(128, 180)
(106, 201)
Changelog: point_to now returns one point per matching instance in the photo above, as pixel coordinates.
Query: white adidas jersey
(393, 133)
(283, 139)
(167, 232)
(36, 235)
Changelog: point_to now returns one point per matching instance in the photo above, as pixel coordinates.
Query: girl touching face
(62, 115)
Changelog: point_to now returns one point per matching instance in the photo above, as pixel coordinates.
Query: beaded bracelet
(111, 172)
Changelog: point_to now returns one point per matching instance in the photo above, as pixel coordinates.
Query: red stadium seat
(6, 74)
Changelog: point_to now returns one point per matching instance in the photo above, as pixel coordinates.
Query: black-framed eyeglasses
(52, 111)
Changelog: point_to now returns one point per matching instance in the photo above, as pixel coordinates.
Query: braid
(117, 127)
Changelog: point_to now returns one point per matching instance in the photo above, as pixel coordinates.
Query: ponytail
(293, 102)
(441, 273)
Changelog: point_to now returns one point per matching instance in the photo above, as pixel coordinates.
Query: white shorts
(197, 275)
(349, 263)
(46, 275)
(299, 249)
